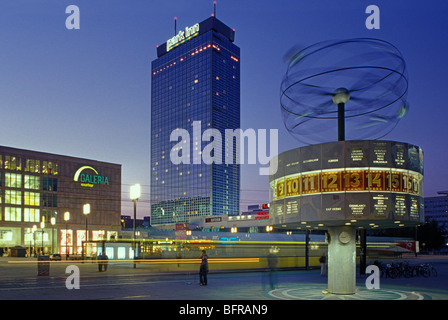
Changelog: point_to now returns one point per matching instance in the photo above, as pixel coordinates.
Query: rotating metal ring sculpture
(368, 75)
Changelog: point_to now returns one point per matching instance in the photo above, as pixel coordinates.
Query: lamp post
(34, 239)
(135, 194)
(340, 98)
(53, 222)
(30, 232)
(66, 218)
(86, 212)
(42, 225)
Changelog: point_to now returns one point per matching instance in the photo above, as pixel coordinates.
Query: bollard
(43, 265)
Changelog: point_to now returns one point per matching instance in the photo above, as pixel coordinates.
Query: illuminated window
(31, 215)
(98, 234)
(32, 166)
(121, 252)
(13, 214)
(31, 182)
(80, 237)
(110, 252)
(66, 241)
(13, 180)
(49, 167)
(31, 198)
(13, 163)
(13, 197)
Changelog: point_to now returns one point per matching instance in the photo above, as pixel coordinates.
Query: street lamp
(30, 232)
(34, 239)
(86, 211)
(53, 222)
(42, 225)
(135, 194)
(66, 218)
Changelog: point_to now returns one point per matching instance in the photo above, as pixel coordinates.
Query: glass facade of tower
(195, 86)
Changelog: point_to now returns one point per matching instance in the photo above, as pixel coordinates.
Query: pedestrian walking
(203, 270)
(323, 265)
(272, 269)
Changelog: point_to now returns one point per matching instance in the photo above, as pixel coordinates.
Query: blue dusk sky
(86, 93)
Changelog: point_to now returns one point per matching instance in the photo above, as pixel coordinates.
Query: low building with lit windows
(43, 198)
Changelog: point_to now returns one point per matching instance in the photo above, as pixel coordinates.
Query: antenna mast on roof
(214, 9)
(175, 25)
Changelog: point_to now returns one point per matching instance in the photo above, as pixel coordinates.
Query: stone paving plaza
(19, 281)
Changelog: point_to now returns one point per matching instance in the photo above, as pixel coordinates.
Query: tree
(432, 236)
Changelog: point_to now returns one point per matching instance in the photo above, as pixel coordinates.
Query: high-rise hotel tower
(195, 86)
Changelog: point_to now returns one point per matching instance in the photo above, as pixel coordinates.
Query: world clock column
(342, 260)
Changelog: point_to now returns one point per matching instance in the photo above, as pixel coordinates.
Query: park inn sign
(88, 177)
(182, 36)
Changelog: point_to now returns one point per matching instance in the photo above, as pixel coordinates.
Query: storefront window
(29, 238)
(80, 237)
(121, 252)
(110, 252)
(66, 241)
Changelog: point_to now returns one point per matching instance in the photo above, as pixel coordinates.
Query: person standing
(203, 270)
(323, 265)
(102, 262)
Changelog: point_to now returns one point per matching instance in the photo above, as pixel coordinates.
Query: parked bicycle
(425, 270)
(404, 269)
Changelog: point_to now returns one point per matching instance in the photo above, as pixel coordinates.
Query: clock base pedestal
(342, 260)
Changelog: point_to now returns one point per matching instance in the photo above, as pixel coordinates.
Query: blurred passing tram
(231, 253)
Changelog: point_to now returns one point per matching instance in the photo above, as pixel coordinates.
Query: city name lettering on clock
(182, 36)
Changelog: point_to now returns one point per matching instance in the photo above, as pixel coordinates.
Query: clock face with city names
(349, 180)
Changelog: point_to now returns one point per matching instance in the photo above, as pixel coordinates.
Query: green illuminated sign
(89, 180)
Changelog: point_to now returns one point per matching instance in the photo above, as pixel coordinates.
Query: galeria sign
(89, 180)
(181, 36)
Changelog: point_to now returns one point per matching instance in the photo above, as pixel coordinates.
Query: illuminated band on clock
(347, 180)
